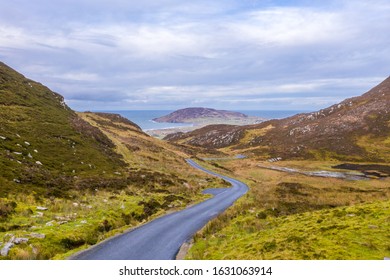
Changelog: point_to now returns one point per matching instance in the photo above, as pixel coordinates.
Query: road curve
(162, 238)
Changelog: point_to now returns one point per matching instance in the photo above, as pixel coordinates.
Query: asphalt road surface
(162, 238)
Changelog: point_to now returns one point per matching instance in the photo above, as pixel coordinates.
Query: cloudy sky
(170, 54)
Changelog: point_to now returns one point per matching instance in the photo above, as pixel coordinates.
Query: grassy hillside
(68, 181)
(347, 233)
(292, 216)
(356, 129)
(44, 146)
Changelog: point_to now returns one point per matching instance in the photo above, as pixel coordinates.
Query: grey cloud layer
(232, 54)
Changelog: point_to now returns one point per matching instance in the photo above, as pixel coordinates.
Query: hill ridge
(357, 128)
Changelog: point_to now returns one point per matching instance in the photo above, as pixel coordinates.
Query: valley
(70, 180)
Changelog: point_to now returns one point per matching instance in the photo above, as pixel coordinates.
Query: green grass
(44, 146)
(80, 222)
(96, 180)
(355, 232)
(291, 216)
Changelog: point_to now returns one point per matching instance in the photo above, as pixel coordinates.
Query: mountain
(356, 129)
(44, 146)
(191, 115)
(69, 180)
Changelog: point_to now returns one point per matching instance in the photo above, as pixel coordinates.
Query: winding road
(162, 238)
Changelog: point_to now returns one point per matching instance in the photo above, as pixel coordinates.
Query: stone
(40, 208)
(27, 143)
(2, 137)
(39, 214)
(4, 251)
(50, 224)
(38, 162)
(29, 155)
(20, 240)
(35, 151)
(38, 235)
(75, 204)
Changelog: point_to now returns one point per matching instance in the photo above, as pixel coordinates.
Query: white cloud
(177, 52)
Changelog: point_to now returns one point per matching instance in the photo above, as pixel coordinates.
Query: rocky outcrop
(4, 251)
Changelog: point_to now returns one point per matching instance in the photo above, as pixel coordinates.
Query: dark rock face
(188, 114)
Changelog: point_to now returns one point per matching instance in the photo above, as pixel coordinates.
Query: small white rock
(4, 251)
(38, 162)
(2, 137)
(41, 208)
(35, 151)
(27, 143)
(20, 240)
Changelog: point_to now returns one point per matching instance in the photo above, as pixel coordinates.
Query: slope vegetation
(356, 129)
(44, 146)
(69, 180)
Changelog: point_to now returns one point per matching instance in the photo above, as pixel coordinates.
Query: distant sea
(144, 117)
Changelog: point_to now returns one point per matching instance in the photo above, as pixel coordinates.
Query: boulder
(4, 251)
(20, 240)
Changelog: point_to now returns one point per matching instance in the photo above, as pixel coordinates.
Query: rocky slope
(69, 180)
(44, 146)
(356, 129)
